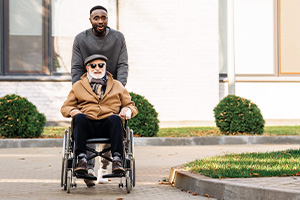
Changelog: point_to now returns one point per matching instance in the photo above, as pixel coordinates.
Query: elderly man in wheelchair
(98, 103)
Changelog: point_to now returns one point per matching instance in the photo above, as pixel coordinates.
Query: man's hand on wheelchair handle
(125, 113)
(74, 112)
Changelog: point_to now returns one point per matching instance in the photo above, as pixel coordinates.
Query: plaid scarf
(98, 85)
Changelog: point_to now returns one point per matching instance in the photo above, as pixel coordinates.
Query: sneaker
(81, 167)
(117, 166)
(100, 179)
(88, 182)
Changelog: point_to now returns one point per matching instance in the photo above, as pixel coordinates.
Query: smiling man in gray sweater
(100, 39)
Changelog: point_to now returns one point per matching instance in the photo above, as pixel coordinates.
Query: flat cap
(94, 57)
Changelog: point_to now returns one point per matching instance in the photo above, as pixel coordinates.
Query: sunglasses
(100, 65)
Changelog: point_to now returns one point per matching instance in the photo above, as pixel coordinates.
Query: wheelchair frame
(69, 160)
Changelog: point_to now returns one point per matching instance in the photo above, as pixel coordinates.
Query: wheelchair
(69, 160)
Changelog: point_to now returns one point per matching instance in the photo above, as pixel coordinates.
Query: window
(253, 27)
(36, 36)
(26, 52)
(266, 37)
(254, 37)
(25, 43)
(289, 37)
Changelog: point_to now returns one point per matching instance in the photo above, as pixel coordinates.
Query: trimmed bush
(234, 115)
(146, 122)
(19, 118)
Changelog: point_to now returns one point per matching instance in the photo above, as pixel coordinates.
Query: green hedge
(235, 115)
(146, 122)
(19, 118)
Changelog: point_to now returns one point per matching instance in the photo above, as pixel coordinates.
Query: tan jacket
(84, 99)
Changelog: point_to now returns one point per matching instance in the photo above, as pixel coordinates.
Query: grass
(57, 132)
(214, 131)
(53, 132)
(280, 163)
(188, 132)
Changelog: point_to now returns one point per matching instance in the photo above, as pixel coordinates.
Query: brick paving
(34, 173)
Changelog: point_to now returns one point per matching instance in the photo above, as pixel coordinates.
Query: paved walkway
(34, 173)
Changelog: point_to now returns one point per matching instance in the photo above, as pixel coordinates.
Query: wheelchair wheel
(69, 177)
(62, 182)
(132, 159)
(133, 173)
(66, 171)
(128, 181)
(130, 173)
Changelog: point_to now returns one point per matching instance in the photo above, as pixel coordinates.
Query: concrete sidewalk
(34, 173)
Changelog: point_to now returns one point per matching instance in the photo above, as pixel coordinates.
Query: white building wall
(173, 48)
(173, 55)
(47, 96)
(276, 100)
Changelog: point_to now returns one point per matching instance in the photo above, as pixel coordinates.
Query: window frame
(46, 31)
(280, 72)
(1, 37)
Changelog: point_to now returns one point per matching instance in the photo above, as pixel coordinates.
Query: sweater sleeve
(122, 68)
(77, 69)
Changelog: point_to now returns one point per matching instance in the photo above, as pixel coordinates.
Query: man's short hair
(96, 8)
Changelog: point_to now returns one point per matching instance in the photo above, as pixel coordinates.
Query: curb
(215, 140)
(30, 143)
(164, 141)
(223, 189)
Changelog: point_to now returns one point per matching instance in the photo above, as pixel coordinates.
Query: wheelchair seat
(98, 141)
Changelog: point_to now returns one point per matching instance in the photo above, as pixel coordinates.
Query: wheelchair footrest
(86, 176)
(113, 175)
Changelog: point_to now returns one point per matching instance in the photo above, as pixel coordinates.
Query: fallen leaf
(255, 174)
(194, 193)
(120, 198)
(188, 191)
(206, 195)
(298, 173)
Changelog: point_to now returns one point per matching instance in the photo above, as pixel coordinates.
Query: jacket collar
(85, 83)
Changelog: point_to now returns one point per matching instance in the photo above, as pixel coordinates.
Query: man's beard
(99, 32)
(95, 76)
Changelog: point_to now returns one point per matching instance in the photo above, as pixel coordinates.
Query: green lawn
(214, 131)
(280, 163)
(53, 132)
(190, 131)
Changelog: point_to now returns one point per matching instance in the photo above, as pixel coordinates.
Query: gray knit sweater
(112, 46)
